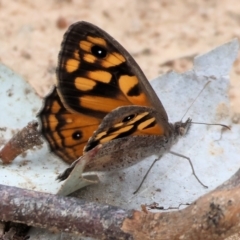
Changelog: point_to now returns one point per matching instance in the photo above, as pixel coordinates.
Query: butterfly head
(181, 128)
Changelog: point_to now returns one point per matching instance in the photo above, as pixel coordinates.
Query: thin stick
(65, 214)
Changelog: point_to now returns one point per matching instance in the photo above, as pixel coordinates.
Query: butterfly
(103, 97)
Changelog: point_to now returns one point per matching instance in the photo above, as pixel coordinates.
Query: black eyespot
(98, 51)
(77, 135)
(128, 118)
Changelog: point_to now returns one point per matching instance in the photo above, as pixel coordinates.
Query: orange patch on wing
(101, 103)
(72, 65)
(139, 116)
(55, 107)
(115, 134)
(118, 125)
(76, 55)
(96, 40)
(77, 151)
(119, 56)
(154, 130)
(100, 135)
(113, 59)
(68, 120)
(85, 132)
(84, 84)
(86, 46)
(52, 121)
(139, 100)
(126, 83)
(89, 58)
(55, 136)
(77, 121)
(100, 76)
(70, 154)
(146, 123)
(71, 149)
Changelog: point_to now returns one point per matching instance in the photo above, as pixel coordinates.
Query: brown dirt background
(155, 32)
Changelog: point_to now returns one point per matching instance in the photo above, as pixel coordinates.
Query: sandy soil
(154, 32)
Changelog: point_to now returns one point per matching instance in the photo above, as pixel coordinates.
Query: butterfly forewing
(96, 74)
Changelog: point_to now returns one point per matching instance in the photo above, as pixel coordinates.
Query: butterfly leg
(146, 174)
(190, 162)
(176, 154)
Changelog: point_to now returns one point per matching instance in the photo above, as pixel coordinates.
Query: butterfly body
(103, 98)
(134, 137)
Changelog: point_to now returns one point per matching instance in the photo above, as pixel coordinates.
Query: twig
(215, 215)
(25, 139)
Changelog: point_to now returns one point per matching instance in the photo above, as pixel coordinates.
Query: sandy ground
(154, 32)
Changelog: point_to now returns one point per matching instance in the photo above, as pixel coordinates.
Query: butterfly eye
(77, 135)
(128, 118)
(98, 51)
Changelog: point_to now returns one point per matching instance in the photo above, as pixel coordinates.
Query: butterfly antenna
(195, 99)
(209, 124)
(213, 124)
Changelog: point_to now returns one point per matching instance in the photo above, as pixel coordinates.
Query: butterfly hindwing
(66, 132)
(124, 122)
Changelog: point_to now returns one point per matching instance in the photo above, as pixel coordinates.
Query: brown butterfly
(103, 97)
